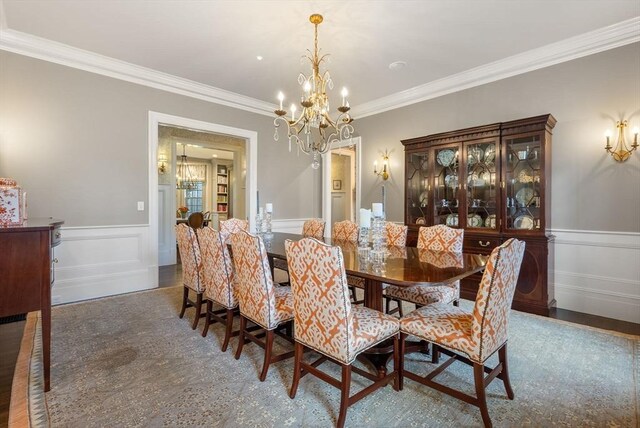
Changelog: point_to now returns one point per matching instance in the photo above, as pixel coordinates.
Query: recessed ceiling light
(215, 156)
(259, 57)
(397, 65)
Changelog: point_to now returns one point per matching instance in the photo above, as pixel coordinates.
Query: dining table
(400, 266)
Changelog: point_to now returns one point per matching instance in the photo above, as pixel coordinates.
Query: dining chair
(326, 322)
(192, 270)
(231, 226)
(313, 228)
(396, 234)
(434, 238)
(219, 282)
(261, 302)
(470, 337)
(196, 220)
(347, 231)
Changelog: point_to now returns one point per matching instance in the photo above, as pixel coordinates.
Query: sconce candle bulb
(385, 170)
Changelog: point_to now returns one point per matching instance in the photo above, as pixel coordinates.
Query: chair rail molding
(99, 261)
(597, 272)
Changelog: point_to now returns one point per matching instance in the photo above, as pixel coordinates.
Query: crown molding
(613, 36)
(47, 50)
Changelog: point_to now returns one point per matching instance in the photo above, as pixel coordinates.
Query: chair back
(190, 257)
(231, 226)
(313, 228)
(218, 268)
(344, 231)
(196, 220)
(321, 305)
(495, 294)
(396, 234)
(254, 283)
(441, 238)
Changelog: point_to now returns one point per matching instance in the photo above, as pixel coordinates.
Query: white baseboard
(102, 261)
(597, 272)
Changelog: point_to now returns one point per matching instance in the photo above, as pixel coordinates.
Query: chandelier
(315, 109)
(184, 178)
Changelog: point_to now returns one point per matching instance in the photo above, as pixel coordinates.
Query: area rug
(129, 361)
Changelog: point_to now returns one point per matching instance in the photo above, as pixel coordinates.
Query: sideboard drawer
(56, 236)
(480, 244)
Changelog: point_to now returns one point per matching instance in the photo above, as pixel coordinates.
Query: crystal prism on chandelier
(315, 114)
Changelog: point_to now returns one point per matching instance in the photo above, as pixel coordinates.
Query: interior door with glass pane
(523, 169)
(482, 184)
(417, 173)
(446, 185)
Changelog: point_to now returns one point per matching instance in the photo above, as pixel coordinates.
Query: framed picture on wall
(337, 184)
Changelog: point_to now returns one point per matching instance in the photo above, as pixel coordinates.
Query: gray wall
(590, 191)
(77, 143)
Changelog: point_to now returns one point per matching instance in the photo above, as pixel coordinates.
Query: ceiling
(202, 145)
(216, 42)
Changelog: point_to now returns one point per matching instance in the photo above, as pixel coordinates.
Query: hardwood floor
(169, 276)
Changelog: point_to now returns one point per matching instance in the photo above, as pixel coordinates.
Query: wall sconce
(384, 173)
(621, 152)
(162, 163)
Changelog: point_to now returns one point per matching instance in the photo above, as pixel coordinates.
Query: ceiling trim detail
(613, 36)
(36, 47)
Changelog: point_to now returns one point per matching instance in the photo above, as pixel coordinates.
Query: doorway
(163, 202)
(341, 183)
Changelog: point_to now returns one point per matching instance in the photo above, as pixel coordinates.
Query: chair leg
(456, 302)
(354, 298)
(227, 330)
(396, 363)
(478, 375)
(207, 318)
(267, 355)
(297, 372)
(243, 327)
(400, 368)
(435, 354)
(196, 318)
(399, 302)
(344, 394)
(185, 296)
(502, 358)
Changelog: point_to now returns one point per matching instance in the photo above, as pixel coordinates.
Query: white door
(166, 221)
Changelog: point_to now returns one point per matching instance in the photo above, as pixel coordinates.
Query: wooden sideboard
(27, 274)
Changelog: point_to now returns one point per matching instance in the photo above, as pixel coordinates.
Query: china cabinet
(493, 181)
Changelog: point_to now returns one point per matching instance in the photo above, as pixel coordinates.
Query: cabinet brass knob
(484, 244)
(58, 234)
(55, 260)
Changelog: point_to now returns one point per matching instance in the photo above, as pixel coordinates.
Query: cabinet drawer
(481, 245)
(56, 236)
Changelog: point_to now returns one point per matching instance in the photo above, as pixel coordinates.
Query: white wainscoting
(292, 225)
(102, 261)
(598, 273)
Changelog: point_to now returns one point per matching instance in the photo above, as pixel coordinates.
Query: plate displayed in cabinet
(451, 181)
(523, 221)
(475, 155)
(489, 154)
(424, 198)
(421, 220)
(525, 176)
(452, 220)
(525, 195)
(446, 157)
(474, 220)
(490, 221)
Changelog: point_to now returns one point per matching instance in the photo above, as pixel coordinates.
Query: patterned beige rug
(130, 361)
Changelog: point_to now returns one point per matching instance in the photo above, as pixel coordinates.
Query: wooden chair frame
(344, 385)
(267, 344)
(188, 303)
(212, 317)
(500, 371)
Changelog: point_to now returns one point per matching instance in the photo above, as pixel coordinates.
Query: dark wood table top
(403, 266)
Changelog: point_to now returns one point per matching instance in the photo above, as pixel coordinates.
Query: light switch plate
(140, 205)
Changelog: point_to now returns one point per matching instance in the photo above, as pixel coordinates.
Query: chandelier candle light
(315, 111)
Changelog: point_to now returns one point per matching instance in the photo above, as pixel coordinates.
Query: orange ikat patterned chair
(476, 335)
(231, 226)
(396, 234)
(261, 302)
(219, 282)
(192, 270)
(347, 231)
(313, 228)
(326, 322)
(435, 238)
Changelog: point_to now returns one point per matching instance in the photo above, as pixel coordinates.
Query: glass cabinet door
(523, 157)
(446, 186)
(417, 187)
(482, 185)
